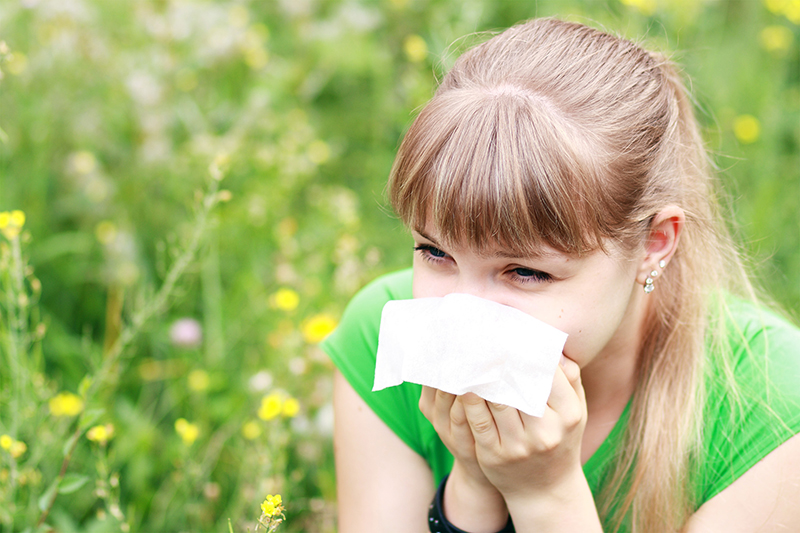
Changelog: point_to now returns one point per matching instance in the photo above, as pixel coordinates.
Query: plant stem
(159, 302)
(64, 464)
(157, 305)
(16, 330)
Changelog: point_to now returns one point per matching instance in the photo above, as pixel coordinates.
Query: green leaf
(44, 499)
(71, 483)
(84, 385)
(70, 442)
(90, 416)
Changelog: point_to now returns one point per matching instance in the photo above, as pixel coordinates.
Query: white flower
(260, 381)
(186, 333)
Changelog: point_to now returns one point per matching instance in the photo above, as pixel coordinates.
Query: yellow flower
(17, 218)
(776, 6)
(101, 434)
(65, 404)
(776, 38)
(187, 431)
(11, 223)
(14, 447)
(747, 128)
(272, 505)
(285, 299)
(251, 430)
(415, 48)
(318, 327)
(18, 448)
(789, 8)
(792, 11)
(198, 380)
(278, 404)
(271, 406)
(290, 408)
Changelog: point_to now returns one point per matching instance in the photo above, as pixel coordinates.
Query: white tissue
(462, 343)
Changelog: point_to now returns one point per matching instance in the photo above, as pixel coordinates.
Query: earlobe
(662, 243)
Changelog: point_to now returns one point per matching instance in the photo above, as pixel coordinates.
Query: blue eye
(431, 253)
(525, 275)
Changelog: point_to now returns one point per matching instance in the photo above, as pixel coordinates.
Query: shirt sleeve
(745, 424)
(353, 347)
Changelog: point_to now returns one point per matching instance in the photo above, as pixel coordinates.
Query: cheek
(586, 339)
(424, 284)
(593, 322)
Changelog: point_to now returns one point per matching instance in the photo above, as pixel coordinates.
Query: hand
(446, 412)
(471, 502)
(525, 456)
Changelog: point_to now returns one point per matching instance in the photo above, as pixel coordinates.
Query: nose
(475, 286)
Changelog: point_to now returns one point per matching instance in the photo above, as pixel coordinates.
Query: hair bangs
(499, 167)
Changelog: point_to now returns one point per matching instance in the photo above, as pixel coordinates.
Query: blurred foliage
(110, 115)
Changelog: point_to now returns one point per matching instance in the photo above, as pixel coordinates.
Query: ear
(662, 242)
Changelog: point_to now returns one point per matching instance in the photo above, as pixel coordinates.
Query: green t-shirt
(736, 434)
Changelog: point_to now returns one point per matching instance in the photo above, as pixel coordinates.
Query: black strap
(437, 523)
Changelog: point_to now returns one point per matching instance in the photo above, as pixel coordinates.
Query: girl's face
(594, 298)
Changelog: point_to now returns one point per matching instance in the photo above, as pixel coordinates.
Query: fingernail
(563, 361)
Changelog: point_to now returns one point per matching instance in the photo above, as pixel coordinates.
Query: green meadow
(192, 190)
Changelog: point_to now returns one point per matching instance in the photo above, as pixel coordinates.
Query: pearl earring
(649, 282)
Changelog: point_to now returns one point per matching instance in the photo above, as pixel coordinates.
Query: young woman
(559, 170)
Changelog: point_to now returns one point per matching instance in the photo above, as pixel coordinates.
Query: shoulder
(362, 316)
(393, 286)
(752, 397)
(763, 499)
(764, 344)
(751, 321)
(353, 348)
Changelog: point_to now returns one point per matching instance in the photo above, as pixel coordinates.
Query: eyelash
(535, 276)
(429, 252)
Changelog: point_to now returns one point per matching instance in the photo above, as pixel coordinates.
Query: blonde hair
(559, 134)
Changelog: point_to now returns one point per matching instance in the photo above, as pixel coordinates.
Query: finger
(562, 394)
(508, 421)
(459, 426)
(426, 400)
(442, 404)
(480, 419)
(573, 373)
(566, 405)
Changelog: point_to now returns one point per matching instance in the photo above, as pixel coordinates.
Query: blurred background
(191, 191)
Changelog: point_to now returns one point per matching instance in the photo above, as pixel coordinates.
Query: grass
(202, 190)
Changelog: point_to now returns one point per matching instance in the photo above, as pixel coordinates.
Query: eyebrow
(422, 234)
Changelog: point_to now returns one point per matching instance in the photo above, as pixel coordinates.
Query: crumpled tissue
(461, 343)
